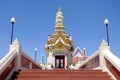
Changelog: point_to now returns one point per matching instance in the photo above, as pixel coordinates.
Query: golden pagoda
(59, 46)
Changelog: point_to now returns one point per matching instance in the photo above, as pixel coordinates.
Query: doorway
(60, 61)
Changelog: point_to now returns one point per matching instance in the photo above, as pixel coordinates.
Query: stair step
(36, 74)
(59, 72)
(68, 74)
(63, 76)
(65, 79)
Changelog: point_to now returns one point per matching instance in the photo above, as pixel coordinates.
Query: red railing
(7, 70)
(112, 64)
(9, 63)
(27, 63)
(113, 70)
(93, 63)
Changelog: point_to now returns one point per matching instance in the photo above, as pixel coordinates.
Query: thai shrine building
(63, 62)
(59, 46)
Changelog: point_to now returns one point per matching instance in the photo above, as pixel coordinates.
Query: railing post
(30, 65)
(103, 46)
(17, 46)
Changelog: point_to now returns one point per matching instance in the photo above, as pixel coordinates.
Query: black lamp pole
(106, 22)
(107, 34)
(12, 21)
(42, 59)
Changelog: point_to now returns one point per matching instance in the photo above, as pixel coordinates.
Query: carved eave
(66, 39)
(60, 46)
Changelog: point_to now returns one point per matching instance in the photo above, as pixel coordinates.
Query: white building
(79, 55)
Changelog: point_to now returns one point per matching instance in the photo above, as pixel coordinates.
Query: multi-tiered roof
(59, 40)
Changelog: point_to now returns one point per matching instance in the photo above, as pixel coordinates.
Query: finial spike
(59, 8)
(104, 43)
(16, 41)
(103, 40)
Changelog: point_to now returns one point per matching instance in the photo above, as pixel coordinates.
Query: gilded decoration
(60, 40)
(60, 46)
(65, 39)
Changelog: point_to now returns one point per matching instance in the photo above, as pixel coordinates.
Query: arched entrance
(59, 61)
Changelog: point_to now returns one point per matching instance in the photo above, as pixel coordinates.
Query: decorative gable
(59, 45)
(77, 53)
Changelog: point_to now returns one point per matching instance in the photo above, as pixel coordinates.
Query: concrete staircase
(36, 74)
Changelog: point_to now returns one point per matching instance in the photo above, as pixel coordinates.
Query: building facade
(59, 47)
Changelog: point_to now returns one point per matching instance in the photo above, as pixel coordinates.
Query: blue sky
(35, 20)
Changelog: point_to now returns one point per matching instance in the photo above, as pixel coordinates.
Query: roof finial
(59, 8)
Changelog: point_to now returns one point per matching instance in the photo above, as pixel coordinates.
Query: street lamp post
(12, 21)
(42, 59)
(35, 53)
(106, 22)
(84, 50)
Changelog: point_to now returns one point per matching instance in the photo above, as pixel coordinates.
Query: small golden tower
(59, 46)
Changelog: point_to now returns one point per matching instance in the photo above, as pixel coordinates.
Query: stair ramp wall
(15, 60)
(104, 60)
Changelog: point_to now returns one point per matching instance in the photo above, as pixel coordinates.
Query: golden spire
(59, 23)
(59, 40)
(59, 18)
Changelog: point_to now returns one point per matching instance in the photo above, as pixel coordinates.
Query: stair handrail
(4, 62)
(114, 60)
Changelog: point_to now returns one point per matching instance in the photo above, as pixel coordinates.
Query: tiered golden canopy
(59, 40)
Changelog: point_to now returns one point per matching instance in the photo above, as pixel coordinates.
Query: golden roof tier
(59, 40)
